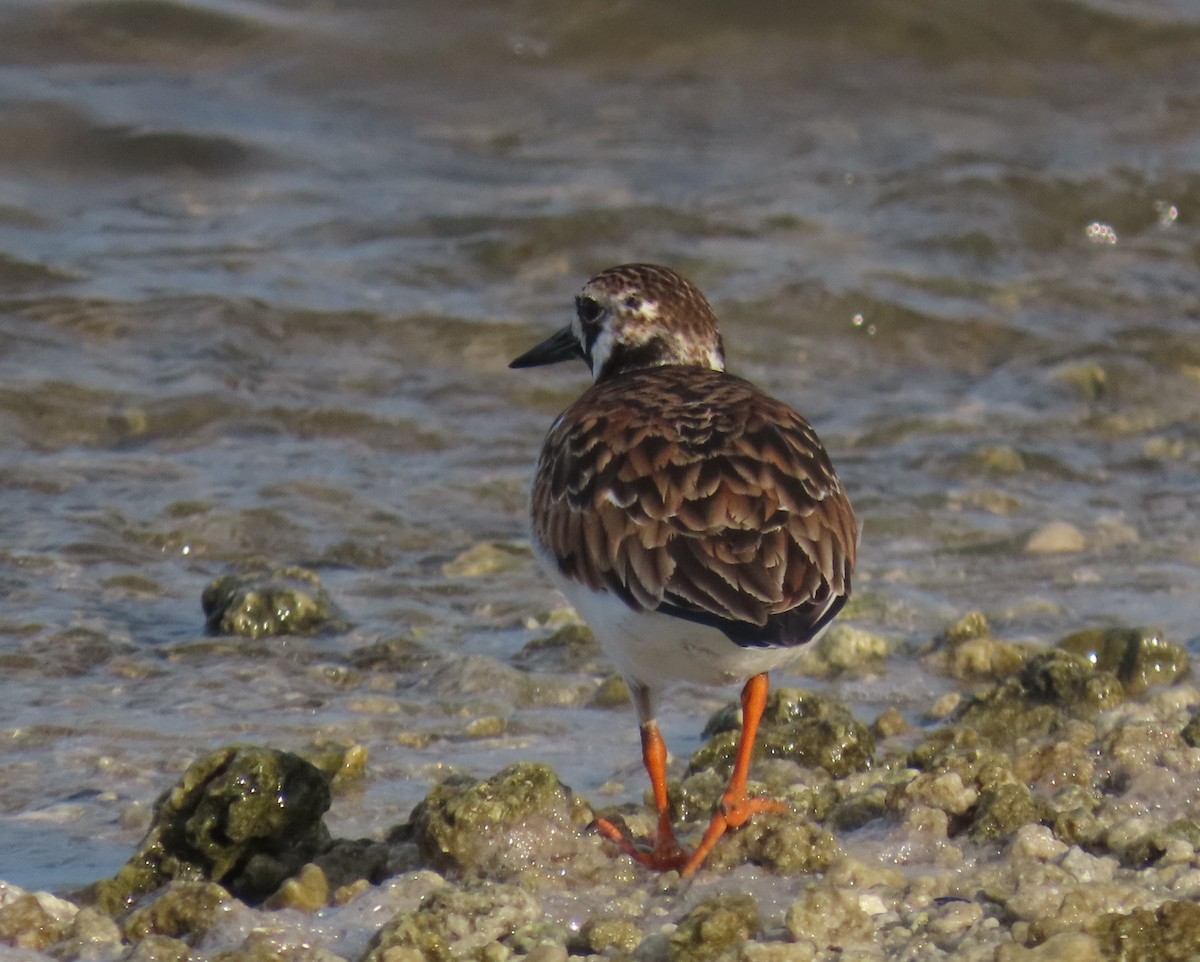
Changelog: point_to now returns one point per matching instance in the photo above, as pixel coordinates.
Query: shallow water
(262, 266)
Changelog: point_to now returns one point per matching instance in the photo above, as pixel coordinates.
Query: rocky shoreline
(1049, 814)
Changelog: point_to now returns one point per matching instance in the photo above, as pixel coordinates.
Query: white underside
(652, 649)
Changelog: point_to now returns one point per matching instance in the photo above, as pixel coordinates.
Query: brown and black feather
(691, 492)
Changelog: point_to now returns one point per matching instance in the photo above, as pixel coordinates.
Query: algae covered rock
(859, 806)
(1145, 849)
(805, 728)
(600, 935)
(782, 842)
(488, 558)
(973, 624)
(1170, 933)
(91, 935)
(182, 910)
(521, 818)
(829, 917)
(34, 921)
(968, 651)
(716, 927)
(398, 656)
(844, 650)
(1191, 731)
(612, 693)
(1006, 808)
(1050, 688)
(889, 724)
(458, 925)
(308, 892)
(1138, 657)
(244, 817)
(349, 860)
(572, 647)
(258, 600)
(960, 773)
(807, 792)
(964, 752)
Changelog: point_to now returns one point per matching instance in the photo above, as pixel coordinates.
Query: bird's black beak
(560, 346)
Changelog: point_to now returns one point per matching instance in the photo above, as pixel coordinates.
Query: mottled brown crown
(639, 316)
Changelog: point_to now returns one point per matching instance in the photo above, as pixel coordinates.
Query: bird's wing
(717, 505)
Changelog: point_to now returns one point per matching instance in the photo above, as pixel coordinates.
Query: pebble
(1057, 537)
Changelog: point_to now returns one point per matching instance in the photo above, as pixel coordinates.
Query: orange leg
(736, 807)
(666, 853)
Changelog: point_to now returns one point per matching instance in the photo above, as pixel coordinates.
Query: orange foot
(733, 811)
(665, 856)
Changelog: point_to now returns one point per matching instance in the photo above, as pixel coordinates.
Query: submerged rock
(1170, 933)
(613, 692)
(308, 892)
(783, 843)
(973, 624)
(828, 916)
(598, 936)
(183, 910)
(398, 656)
(1050, 688)
(482, 675)
(797, 725)
(1138, 657)
(246, 818)
(959, 773)
(572, 647)
(34, 921)
(487, 559)
(1003, 810)
(715, 927)
(1056, 537)
(1145, 849)
(968, 652)
(456, 924)
(844, 650)
(259, 600)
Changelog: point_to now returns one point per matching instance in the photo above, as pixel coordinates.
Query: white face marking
(602, 349)
(647, 310)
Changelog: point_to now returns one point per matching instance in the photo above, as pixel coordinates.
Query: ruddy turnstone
(695, 522)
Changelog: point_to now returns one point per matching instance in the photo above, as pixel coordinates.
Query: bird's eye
(588, 309)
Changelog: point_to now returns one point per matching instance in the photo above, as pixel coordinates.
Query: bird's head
(633, 317)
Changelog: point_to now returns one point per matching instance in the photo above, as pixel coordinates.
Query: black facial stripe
(590, 313)
(591, 333)
(652, 353)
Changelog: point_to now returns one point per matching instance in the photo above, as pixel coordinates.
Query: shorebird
(695, 522)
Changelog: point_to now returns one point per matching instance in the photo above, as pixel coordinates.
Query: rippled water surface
(262, 266)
